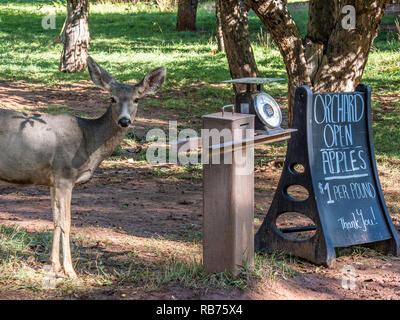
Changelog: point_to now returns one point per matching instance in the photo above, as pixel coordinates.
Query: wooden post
(228, 197)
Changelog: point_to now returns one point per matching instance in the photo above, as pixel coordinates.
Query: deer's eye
(113, 100)
(136, 100)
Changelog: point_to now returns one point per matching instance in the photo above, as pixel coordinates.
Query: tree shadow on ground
(125, 201)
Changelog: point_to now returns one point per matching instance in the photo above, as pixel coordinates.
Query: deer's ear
(153, 81)
(100, 77)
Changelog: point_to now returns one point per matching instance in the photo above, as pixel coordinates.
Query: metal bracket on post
(228, 106)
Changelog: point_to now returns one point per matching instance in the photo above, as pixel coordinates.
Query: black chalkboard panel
(343, 169)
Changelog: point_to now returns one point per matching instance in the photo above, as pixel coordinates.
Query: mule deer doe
(60, 151)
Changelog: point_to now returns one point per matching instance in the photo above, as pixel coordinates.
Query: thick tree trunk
(237, 45)
(77, 37)
(220, 34)
(330, 58)
(186, 18)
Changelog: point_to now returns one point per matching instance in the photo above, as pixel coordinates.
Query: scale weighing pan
(254, 80)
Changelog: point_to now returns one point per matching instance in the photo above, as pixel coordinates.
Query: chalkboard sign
(342, 169)
(334, 144)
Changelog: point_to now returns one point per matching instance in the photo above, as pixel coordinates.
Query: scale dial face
(267, 110)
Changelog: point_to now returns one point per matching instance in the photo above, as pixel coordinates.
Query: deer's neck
(103, 135)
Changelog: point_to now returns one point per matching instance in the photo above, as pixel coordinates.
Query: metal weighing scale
(268, 113)
(228, 190)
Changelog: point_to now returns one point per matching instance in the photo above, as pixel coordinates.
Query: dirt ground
(124, 202)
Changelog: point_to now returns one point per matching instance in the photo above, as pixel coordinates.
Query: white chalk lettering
(358, 221)
(336, 161)
(338, 135)
(336, 108)
(362, 190)
(347, 191)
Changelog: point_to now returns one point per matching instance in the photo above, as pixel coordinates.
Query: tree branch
(346, 53)
(276, 17)
(234, 20)
(280, 24)
(322, 18)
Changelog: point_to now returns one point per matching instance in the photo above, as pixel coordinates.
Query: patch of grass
(193, 276)
(358, 252)
(190, 172)
(158, 262)
(13, 241)
(265, 154)
(56, 110)
(192, 233)
(389, 18)
(20, 253)
(117, 152)
(387, 135)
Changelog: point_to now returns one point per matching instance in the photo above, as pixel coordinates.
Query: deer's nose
(124, 122)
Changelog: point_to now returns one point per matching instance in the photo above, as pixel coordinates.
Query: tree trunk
(220, 34)
(331, 58)
(186, 18)
(77, 37)
(237, 45)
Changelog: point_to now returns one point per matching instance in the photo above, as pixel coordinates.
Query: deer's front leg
(55, 251)
(63, 200)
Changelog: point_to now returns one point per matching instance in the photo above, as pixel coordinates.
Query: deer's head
(125, 97)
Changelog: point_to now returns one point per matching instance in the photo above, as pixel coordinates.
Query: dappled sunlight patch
(151, 122)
